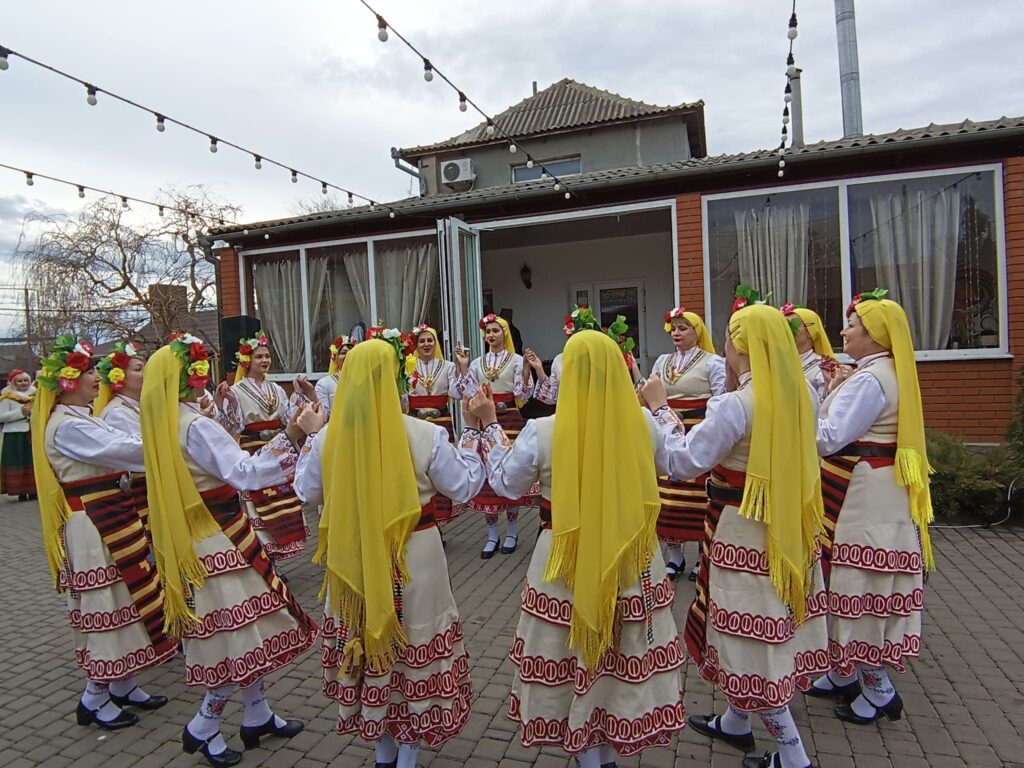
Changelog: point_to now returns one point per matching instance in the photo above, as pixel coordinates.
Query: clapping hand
(310, 419)
(461, 359)
(303, 385)
(482, 406)
(653, 392)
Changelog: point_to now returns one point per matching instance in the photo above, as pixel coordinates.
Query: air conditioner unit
(454, 171)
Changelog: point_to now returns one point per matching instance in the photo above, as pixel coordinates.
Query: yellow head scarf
(177, 515)
(371, 503)
(703, 337)
(886, 323)
(332, 367)
(604, 489)
(782, 490)
(816, 330)
(102, 399)
(410, 360)
(53, 507)
(509, 346)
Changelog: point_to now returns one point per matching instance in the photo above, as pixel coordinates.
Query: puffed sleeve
(715, 368)
(858, 403)
(94, 442)
(456, 472)
(123, 420)
(691, 454)
(309, 483)
(213, 449)
(512, 468)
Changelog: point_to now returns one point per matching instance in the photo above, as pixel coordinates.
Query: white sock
(512, 528)
(97, 698)
(206, 724)
(257, 710)
(590, 758)
(832, 680)
(782, 728)
(734, 722)
(608, 754)
(492, 532)
(876, 686)
(407, 755)
(385, 750)
(126, 686)
(675, 554)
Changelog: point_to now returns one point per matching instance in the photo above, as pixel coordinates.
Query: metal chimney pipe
(849, 68)
(796, 111)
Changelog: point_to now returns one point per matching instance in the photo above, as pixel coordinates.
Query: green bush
(966, 485)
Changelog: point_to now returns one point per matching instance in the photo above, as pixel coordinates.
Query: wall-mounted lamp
(526, 275)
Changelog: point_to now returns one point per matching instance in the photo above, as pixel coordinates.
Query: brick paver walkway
(964, 697)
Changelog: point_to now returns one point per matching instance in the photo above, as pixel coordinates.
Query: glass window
(786, 243)
(569, 166)
(277, 289)
(339, 296)
(406, 281)
(931, 241)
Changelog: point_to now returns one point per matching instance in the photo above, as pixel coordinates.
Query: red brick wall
(230, 295)
(972, 399)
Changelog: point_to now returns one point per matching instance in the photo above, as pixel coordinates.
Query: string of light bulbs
(92, 93)
(31, 176)
(787, 95)
(492, 127)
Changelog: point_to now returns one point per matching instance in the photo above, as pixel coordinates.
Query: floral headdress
(112, 367)
(247, 346)
(580, 319)
(403, 344)
(338, 343)
(876, 295)
(745, 296)
(788, 311)
(671, 315)
(195, 365)
(68, 360)
(490, 317)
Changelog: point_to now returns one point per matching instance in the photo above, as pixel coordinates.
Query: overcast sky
(307, 82)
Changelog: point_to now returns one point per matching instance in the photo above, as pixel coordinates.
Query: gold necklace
(673, 374)
(492, 372)
(427, 377)
(268, 402)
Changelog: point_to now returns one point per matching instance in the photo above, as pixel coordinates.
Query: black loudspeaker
(232, 330)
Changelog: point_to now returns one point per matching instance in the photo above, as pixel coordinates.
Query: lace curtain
(772, 249)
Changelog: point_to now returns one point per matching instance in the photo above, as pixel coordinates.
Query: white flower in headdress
(391, 333)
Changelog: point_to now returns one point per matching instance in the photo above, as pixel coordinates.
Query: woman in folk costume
(95, 541)
(431, 379)
(16, 477)
(393, 656)
(812, 343)
(501, 369)
(237, 619)
(877, 511)
(692, 374)
(579, 319)
(327, 386)
(597, 651)
(259, 409)
(756, 628)
(118, 405)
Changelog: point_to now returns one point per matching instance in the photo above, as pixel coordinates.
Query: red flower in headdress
(78, 360)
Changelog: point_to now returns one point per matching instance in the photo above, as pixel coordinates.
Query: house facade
(935, 214)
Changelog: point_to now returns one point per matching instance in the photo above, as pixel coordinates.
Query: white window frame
(845, 262)
(549, 161)
(243, 272)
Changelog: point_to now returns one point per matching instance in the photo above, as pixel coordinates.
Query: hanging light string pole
(430, 70)
(31, 176)
(788, 93)
(92, 93)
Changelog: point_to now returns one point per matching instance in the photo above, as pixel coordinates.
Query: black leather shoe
(770, 760)
(846, 693)
(153, 702)
(674, 570)
(893, 710)
(190, 745)
(87, 716)
(251, 733)
(702, 724)
(392, 764)
(487, 554)
(506, 550)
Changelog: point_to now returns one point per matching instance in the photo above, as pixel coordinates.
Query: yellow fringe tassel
(911, 472)
(55, 554)
(378, 651)
(755, 500)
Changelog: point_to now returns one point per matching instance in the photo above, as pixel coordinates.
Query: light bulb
(3, 61)
(462, 102)
(213, 145)
(382, 29)
(529, 163)
(512, 149)
(266, 236)
(785, 119)
(791, 70)
(323, 187)
(295, 177)
(245, 232)
(259, 161)
(567, 195)
(557, 186)
(90, 96)
(350, 199)
(81, 191)
(788, 98)
(124, 203)
(782, 163)
(29, 181)
(391, 215)
(489, 130)
(792, 33)
(781, 173)
(160, 123)
(428, 71)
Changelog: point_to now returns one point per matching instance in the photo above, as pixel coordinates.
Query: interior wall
(539, 312)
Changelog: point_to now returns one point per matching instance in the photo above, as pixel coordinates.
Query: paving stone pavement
(964, 697)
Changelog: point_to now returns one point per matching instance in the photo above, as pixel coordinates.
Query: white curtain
(280, 301)
(773, 249)
(405, 277)
(915, 236)
(357, 266)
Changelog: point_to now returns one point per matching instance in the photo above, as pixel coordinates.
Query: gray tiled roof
(562, 106)
(694, 167)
